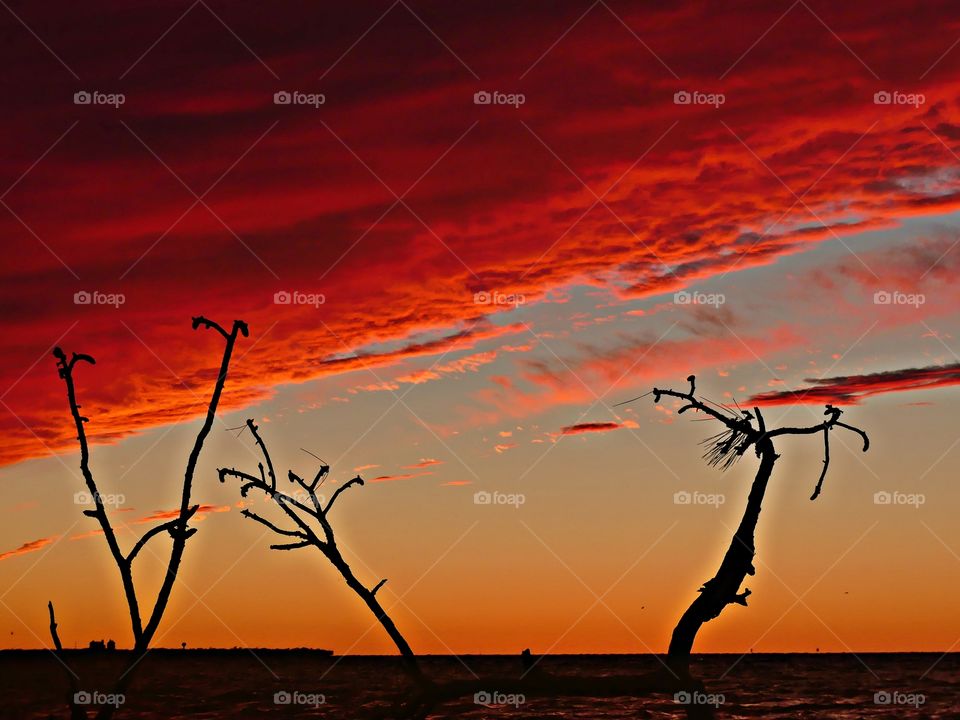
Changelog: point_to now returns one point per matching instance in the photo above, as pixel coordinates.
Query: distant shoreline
(330, 653)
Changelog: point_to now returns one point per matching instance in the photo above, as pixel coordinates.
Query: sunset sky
(474, 287)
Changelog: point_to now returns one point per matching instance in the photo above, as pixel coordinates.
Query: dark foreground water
(261, 684)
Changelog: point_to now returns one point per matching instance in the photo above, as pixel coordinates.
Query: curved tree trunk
(724, 587)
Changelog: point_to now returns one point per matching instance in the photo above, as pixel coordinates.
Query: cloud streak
(852, 389)
(28, 547)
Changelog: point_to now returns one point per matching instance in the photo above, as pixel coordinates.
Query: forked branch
(305, 516)
(723, 449)
(728, 446)
(177, 528)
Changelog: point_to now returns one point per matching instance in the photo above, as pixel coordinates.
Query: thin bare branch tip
(291, 546)
(314, 455)
(201, 321)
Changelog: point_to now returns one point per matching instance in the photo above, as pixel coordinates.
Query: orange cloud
(28, 547)
(170, 514)
(424, 462)
(402, 476)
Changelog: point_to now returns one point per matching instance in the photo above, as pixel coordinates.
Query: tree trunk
(370, 598)
(724, 587)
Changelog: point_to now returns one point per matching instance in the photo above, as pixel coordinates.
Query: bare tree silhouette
(425, 694)
(741, 432)
(177, 528)
(304, 534)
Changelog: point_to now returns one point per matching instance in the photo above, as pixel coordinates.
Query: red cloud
(494, 205)
(851, 389)
(592, 427)
(28, 547)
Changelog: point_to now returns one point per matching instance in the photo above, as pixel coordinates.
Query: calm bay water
(261, 684)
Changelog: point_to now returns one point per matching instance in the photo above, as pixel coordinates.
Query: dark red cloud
(590, 427)
(401, 476)
(851, 389)
(304, 199)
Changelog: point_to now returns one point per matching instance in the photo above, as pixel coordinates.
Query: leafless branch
(177, 527)
(292, 546)
(303, 515)
(355, 481)
(53, 627)
(171, 526)
(723, 449)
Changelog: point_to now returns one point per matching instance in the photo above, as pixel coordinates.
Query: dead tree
(312, 528)
(177, 528)
(308, 525)
(741, 432)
